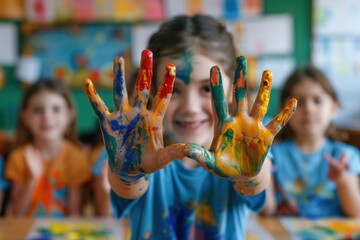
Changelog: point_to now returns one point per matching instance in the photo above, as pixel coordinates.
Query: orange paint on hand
(214, 75)
(240, 83)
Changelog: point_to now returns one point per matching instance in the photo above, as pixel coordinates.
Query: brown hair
(23, 135)
(309, 73)
(202, 32)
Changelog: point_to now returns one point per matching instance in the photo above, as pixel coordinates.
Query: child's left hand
(241, 141)
(337, 169)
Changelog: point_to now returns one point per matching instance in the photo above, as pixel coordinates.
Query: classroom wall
(11, 92)
(301, 13)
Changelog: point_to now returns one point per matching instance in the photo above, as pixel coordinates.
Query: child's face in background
(47, 116)
(189, 116)
(315, 109)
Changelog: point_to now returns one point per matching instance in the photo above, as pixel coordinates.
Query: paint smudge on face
(185, 68)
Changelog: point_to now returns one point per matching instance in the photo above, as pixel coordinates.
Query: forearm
(271, 203)
(349, 193)
(21, 197)
(1, 197)
(74, 201)
(102, 197)
(254, 185)
(127, 189)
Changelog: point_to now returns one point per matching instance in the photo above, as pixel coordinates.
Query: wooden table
(19, 228)
(274, 227)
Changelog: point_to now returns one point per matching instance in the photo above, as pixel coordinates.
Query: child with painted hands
(171, 199)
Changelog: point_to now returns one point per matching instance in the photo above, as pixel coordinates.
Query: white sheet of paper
(8, 43)
(140, 37)
(280, 68)
(269, 34)
(28, 69)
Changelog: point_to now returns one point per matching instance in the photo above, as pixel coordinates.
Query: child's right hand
(337, 169)
(133, 134)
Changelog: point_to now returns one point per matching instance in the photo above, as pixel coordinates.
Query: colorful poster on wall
(73, 53)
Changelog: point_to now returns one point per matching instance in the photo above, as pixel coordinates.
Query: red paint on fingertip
(146, 70)
(170, 74)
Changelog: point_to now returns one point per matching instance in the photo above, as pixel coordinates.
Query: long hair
(201, 32)
(308, 73)
(23, 134)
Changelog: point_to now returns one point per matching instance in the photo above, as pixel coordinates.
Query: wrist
(128, 187)
(341, 179)
(249, 186)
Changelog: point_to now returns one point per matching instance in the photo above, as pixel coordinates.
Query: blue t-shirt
(302, 182)
(183, 203)
(98, 165)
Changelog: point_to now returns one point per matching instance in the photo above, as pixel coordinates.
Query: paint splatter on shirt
(184, 203)
(302, 183)
(50, 196)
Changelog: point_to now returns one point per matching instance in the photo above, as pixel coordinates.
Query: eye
(300, 102)
(176, 91)
(37, 110)
(205, 89)
(318, 100)
(56, 109)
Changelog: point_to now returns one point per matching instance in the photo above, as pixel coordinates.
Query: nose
(191, 103)
(47, 114)
(309, 106)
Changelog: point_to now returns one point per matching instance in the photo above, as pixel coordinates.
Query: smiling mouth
(188, 126)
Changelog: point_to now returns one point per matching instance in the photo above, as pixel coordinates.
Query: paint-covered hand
(133, 134)
(241, 141)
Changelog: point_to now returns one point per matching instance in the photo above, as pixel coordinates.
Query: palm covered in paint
(133, 134)
(241, 141)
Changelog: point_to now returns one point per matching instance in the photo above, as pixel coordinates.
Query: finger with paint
(241, 141)
(133, 134)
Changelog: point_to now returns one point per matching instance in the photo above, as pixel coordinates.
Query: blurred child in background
(315, 176)
(47, 166)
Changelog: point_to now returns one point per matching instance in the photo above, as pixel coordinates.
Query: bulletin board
(336, 51)
(73, 52)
